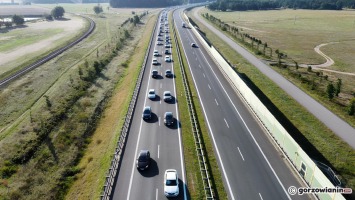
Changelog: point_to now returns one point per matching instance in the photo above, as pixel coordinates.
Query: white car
(171, 183)
(167, 59)
(151, 94)
(156, 53)
(167, 96)
(167, 46)
(155, 61)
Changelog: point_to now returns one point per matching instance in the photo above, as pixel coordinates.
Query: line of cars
(171, 180)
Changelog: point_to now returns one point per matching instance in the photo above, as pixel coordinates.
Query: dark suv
(168, 119)
(147, 113)
(143, 160)
(154, 73)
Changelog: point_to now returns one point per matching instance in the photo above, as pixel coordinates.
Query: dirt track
(70, 27)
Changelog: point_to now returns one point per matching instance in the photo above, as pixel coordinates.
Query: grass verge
(313, 136)
(195, 184)
(97, 158)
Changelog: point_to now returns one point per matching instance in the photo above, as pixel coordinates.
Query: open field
(20, 45)
(51, 112)
(297, 32)
(297, 40)
(313, 136)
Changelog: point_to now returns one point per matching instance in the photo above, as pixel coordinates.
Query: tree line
(224, 5)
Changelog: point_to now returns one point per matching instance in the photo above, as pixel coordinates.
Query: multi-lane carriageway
(251, 166)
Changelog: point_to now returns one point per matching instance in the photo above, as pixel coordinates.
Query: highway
(164, 143)
(251, 166)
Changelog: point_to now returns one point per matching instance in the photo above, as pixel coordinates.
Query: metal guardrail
(200, 149)
(117, 158)
(49, 56)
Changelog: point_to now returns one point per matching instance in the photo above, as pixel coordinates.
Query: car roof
(170, 174)
(143, 152)
(147, 108)
(167, 92)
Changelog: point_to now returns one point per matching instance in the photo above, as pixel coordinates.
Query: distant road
(332, 121)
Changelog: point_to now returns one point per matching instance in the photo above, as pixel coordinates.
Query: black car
(154, 73)
(147, 113)
(168, 118)
(168, 73)
(143, 160)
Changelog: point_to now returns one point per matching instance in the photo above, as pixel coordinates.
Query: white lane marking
(260, 196)
(257, 144)
(158, 151)
(199, 65)
(241, 155)
(159, 121)
(209, 86)
(156, 193)
(161, 85)
(210, 129)
(216, 101)
(180, 143)
(204, 75)
(160, 101)
(226, 122)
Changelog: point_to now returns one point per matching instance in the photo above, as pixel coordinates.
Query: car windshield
(146, 111)
(167, 94)
(151, 92)
(169, 116)
(142, 158)
(171, 182)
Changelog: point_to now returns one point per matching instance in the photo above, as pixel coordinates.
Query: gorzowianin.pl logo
(292, 190)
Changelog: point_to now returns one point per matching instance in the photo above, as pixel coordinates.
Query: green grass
(313, 136)
(339, 104)
(195, 184)
(297, 32)
(21, 38)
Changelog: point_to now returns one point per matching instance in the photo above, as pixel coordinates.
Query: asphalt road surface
(251, 166)
(164, 143)
(332, 121)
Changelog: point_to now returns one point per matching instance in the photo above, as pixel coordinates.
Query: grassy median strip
(315, 138)
(194, 180)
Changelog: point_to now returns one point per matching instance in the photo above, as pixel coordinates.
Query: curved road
(332, 121)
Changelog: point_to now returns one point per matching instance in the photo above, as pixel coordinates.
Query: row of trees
(57, 12)
(224, 5)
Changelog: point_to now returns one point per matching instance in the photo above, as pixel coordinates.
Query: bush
(18, 20)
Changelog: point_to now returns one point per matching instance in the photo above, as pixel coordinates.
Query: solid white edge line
(241, 154)
(179, 132)
(257, 144)
(210, 129)
(139, 135)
